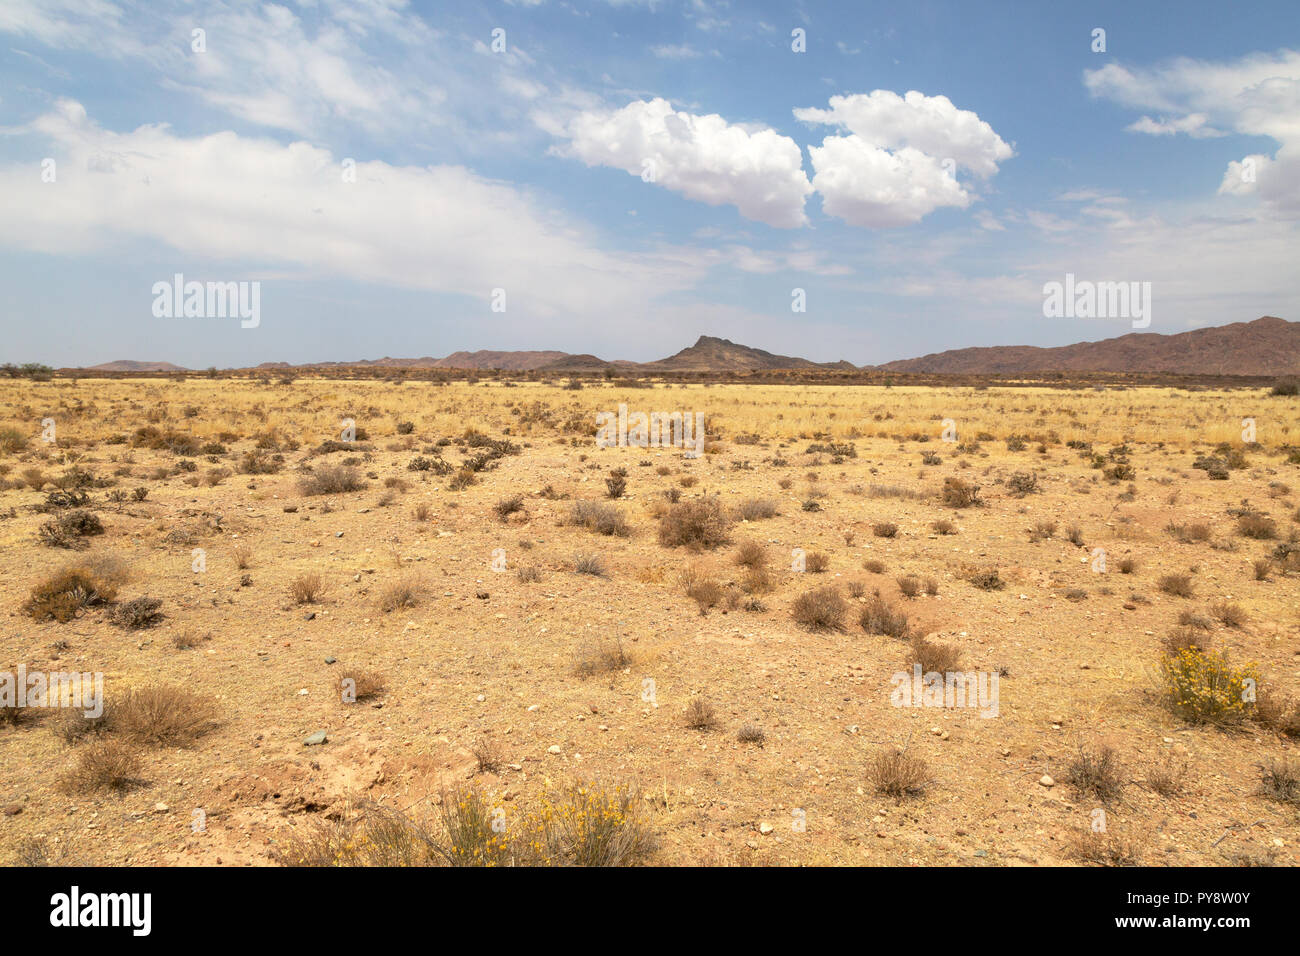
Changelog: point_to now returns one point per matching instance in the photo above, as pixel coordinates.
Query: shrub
(820, 610)
(508, 506)
(817, 562)
(751, 734)
(67, 530)
(399, 595)
(136, 614)
(599, 518)
(356, 686)
(615, 485)
(1205, 687)
(66, 593)
(103, 765)
(944, 526)
(933, 656)
(987, 580)
(897, 774)
(1022, 483)
(1179, 585)
(755, 509)
(1229, 615)
(700, 715)
(750, 554)
(589, 563)
(331, 480)
(959, 494)
(1257, 526)
(881, 617)
(909, 585)
(161, 715)
(699, 525)
(884, 529)
(1096, 772)
(307, 588)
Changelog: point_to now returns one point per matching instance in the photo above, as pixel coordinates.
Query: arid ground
(523, 612)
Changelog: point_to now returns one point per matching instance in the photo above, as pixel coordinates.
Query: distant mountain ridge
(1268, 346)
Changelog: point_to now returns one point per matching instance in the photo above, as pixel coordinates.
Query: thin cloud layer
(234, 198)
(1255, 95)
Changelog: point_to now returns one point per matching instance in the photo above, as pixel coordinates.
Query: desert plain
(501, 629)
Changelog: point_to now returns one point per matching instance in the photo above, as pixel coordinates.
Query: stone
(315, 739)
(1046, 781)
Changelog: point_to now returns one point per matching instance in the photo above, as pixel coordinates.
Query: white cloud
(1193, 124)
(1255, 95)
(702, 157)
(901, 158)
(224, 197)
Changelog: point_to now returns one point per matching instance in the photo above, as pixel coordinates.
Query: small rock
(553, 749)
(1046, 781)
(331, 660)
(765, 828)
(315, 739)
(161, 807)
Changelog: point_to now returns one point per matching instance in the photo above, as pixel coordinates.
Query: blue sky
(635, 174)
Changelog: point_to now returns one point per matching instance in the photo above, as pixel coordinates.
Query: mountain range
(1265, 347)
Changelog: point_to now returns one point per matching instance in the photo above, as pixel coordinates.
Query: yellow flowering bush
(1204, 686)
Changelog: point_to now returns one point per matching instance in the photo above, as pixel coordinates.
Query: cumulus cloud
(288, 208)
(702, 157)
(1255, 95)
(900, 159)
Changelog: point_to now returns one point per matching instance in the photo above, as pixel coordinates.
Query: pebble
(315, 739)
(1046, 781)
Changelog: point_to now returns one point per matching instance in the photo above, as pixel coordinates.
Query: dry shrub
(399, 595)
(103, 765)
(69, 530)
(700, 715)
(750, 554)
(356, 686)
(601, 657)
(884, 529)
(1185, 637)
(821, 609)
(898, 774)
(1277, 712)
(161, 715)
(1229, 615)
(529, 574)
(751, 734)
(698, 525)
(307, 588)
(1257, 526)
(63, 595)
(1104, 848)
(1179, 585)
(488, 754)
(933, 656)
(508, 506)
(136, 614)
(959, 494)
(817, 562)
(874, 566)
(880, 617)
(704, 590)
(243, 555)
(331, 480)
(944, 526)
(589, 563)
(1279, 780)
(1167, 778)
(599, 518)
(909, 585)
(1096, 772)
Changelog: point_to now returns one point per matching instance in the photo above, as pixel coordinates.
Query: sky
(864, 181)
